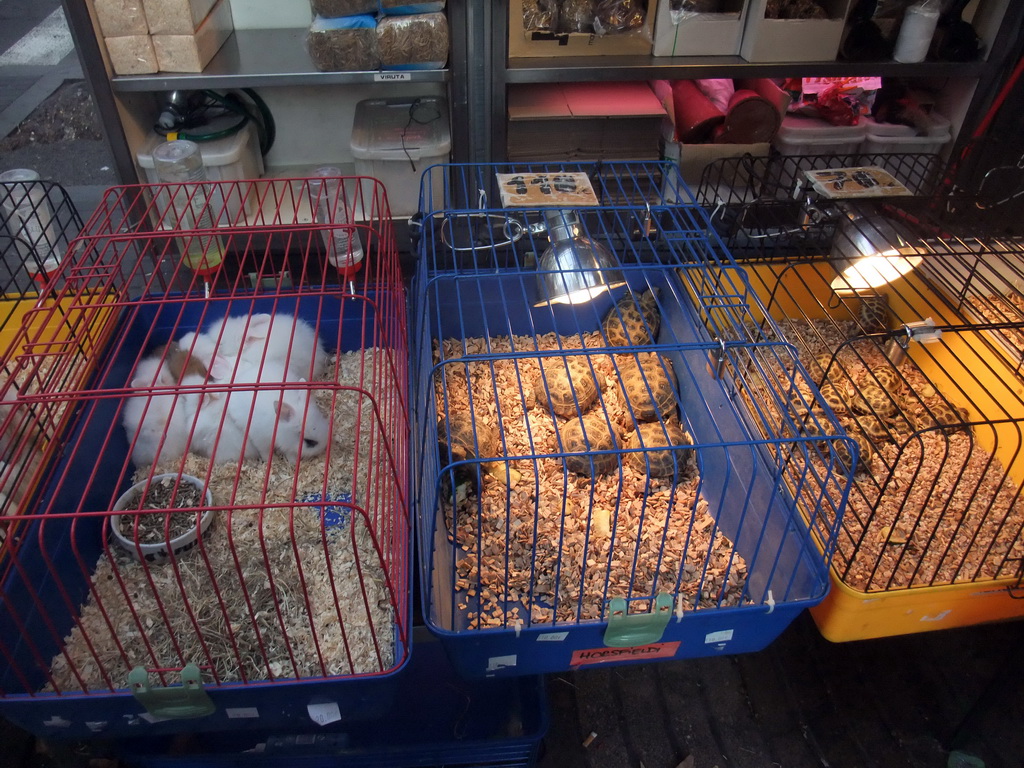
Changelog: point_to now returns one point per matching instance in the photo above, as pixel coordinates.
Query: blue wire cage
(702, 525)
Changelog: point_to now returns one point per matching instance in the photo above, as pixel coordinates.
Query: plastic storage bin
(395, 140)
(810, 136)
(231, 158)
(884, 138)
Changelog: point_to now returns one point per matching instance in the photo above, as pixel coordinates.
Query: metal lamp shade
(573, 269)
(870, 252)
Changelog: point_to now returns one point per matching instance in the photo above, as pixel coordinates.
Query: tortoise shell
(864, 445)
(469, 439)
(873, 400)
(874, 314)
(649, 382)
(633, 321)
(567, 385)
(887, 378)
(949, 417)
(581, 437)
(655, 435)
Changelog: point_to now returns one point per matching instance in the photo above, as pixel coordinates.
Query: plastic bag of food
(347, 44)
(680, 10)
(332, 9)
(416, 41)
(404, 7)
(617, 16)
(576, 16)
(540, 15)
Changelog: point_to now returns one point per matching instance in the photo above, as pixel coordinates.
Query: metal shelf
(253, 58)
(599, 68)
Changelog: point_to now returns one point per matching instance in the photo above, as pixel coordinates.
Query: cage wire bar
(671, 506)
(243, 356)
(919, 356)
(39, 221)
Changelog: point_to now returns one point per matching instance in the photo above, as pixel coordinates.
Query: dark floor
(803, 702)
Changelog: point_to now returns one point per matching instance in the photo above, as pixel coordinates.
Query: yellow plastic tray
(848, 614)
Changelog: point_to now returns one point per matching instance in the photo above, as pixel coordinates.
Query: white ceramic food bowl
(156, 552)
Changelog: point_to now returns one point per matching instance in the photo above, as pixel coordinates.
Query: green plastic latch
(183, 702)
(625, 630)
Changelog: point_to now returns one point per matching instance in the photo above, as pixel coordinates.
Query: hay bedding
(940, 512)
(524, 552)
(288, 597)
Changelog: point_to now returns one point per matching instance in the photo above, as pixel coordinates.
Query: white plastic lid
(223, 151)
(799, 128)
(401, 129)
(940, 127)
(19, 174)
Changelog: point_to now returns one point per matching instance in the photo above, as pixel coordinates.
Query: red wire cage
(217, 509)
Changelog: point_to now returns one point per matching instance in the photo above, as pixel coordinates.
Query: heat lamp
(573, 269)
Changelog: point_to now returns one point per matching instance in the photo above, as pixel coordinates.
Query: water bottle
(344, 249)
(30, 222)
(178, 162)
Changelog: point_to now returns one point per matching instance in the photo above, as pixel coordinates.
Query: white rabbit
(159, 424)
(286, 418)
(216, 434)
(277, 338)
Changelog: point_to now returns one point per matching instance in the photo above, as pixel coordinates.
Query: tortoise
(654, 435)
(567, 385)
(938, 414)
(633, 321)
(874, 314)
(873, 400)
(650, 385)
(887, 378)
(831, 395)
(864, 445)
(582, 436)
(821, 426)
(471, 439)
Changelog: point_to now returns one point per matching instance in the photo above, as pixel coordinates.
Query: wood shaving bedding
(269, 593)
(523, 548)
(934, 507)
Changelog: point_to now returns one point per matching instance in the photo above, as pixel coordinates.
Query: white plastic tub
(231, 158)
(810, 136)
(885, 138)
(395, 140)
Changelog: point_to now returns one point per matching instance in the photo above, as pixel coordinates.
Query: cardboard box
(523, 43)
(132, 55)
(176, 17)
(583, 121)
(703, 34)
(793, 39)
(694, 158)
(191, 53)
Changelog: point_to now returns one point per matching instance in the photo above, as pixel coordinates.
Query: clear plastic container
(231, 158)
(181, 162)
(395, 140)
(884, 138)
(810, 136)
(30, 222)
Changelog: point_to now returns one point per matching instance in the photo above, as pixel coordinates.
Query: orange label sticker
(636, 652)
